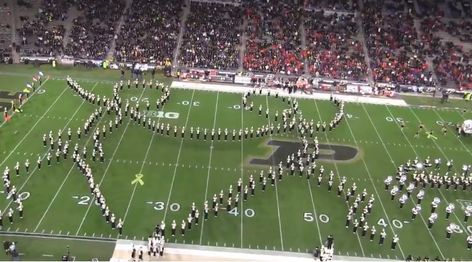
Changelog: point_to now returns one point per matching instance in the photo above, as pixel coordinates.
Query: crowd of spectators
(93, 31)
(212, 36)
(43, 34)
(332, 5)
(273, 37)
(150, 31)
(397, 49)
(396, 53)
(333, 50)
(451, 61)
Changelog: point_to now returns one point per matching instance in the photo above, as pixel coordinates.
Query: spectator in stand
(212, 36)
(150, 31)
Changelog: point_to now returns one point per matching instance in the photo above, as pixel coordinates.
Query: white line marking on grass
(209, 164)
(54, 198)
(445, 156)
(141, 169)
(36, 167)
(178, 157)
(314, 210)
(373, 184)
(32, 128)
(106, 170)
(276, 190)
(337, 172)
(395, 166)
(29, 98)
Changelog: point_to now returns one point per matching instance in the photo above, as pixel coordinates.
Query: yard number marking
(24, 195)
(236, 107)
(162, 114)
(159, 205)
(41, 91)
(84, 200)
(308, 217)
(443, 123)
(186, 103)
(249, 212)
(396, 223)
(393, 119)
(136, 99)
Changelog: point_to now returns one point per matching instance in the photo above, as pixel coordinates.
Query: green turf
(178, 172)
(455, 103)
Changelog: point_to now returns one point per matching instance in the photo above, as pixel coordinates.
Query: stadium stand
(396, 52)
(94, 30)
(150, 31)
(274, 38)
(399, 42)
(333, 50)
(43, 33)
(212, 36)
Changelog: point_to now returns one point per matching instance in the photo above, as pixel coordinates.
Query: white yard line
(136, 184)
(316, 213)
(142, 166)
(460, 141)
(276, 189)
(36, 167)
(395, 167)
(445, 156)
(106, 169)
(416, 153)
(242, 170)
(32, 128)
(373, 184)
(338, 173)
(29, 98)
(68, 173)
(209, 165)
(178, 157)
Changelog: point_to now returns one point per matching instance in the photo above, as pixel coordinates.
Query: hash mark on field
(42, 231)
(26, 229)
(16, 229)
(68, 232)
(51, 232)
(60, 231)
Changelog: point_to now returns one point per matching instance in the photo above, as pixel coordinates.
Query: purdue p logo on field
(328, 152)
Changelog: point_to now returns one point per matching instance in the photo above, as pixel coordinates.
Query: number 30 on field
(309, 217)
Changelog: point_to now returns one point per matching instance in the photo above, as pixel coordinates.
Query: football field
(296, 214)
